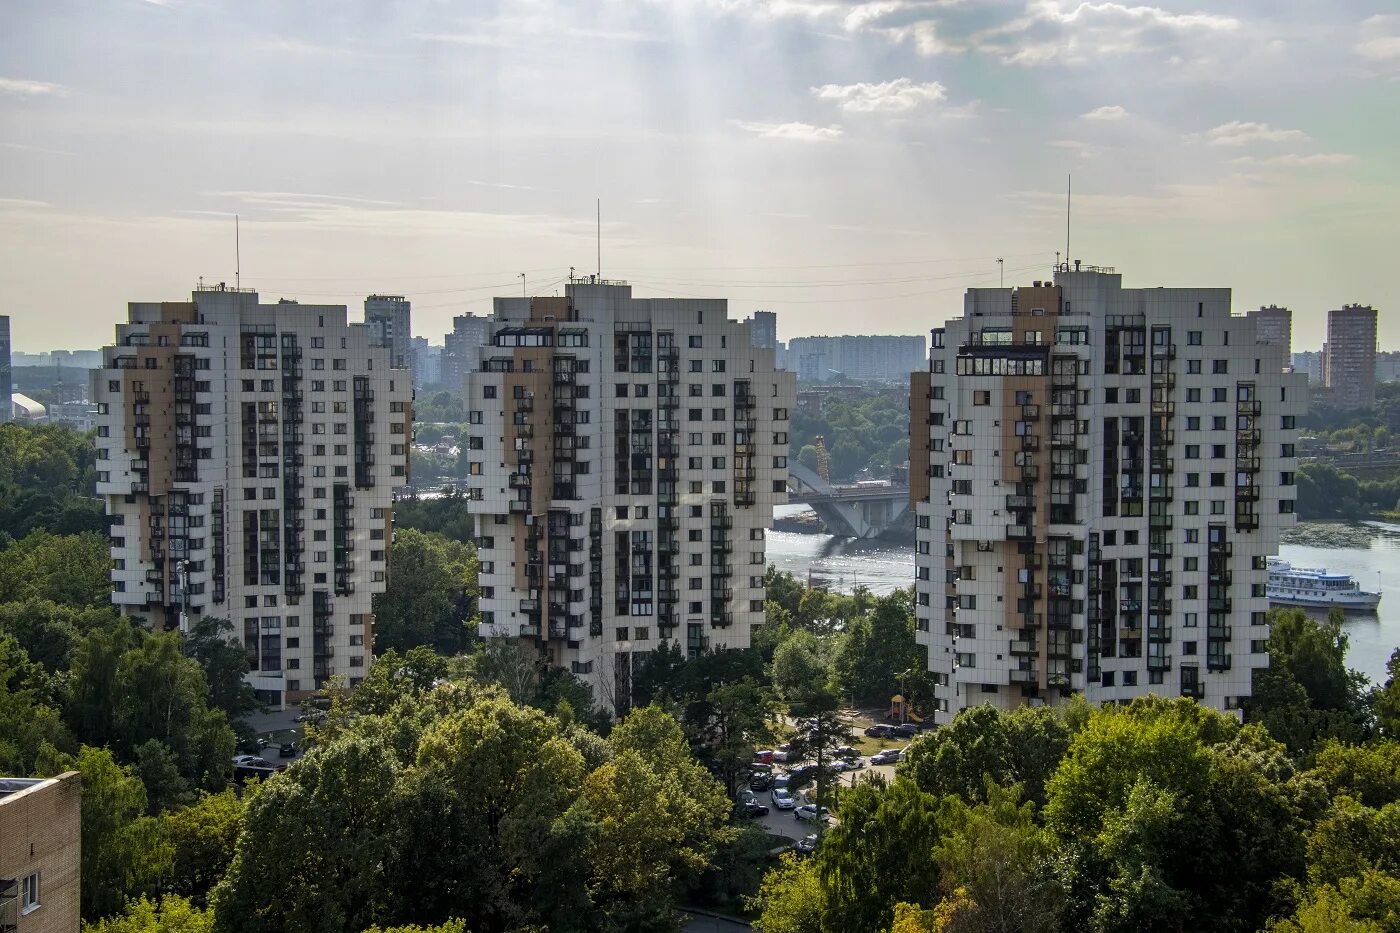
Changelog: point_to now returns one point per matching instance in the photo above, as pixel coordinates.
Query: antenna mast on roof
(600, 239)
(1069, 193)
(237, 255)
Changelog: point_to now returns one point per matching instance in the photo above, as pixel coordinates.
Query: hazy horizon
(831, 160)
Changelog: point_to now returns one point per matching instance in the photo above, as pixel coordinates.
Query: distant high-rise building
(247, 453)
(390, 319)
(878, 358)
(1100, 475)
(459, 348)
(7, 386)
(1387, 366)
(1274, 325)
(644, 443)
(1309, 363)
(1349, 357)
(763, 329)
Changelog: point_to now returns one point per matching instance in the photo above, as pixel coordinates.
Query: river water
(1370, 552)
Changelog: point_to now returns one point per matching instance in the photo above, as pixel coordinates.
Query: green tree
(210, 643)
(203, 838)
(877, 647)
(326, 831)
(799, 664)
(159, 771)
(996, 856)
(122, 850)
(828, 729)
(879, 854)
(792, 898)
(1387, 699)
(431, 594)
(28, 719)
(170, 914)
(71, 570)
(983, 743)
(740, 720)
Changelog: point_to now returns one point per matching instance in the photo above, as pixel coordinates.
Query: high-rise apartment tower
(247, 454)
(390, 320)
(459, 348)
(626, 455)
(1274, 325)
(1349, 357)
(1100, 474)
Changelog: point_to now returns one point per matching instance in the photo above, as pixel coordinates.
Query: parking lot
(783, 823)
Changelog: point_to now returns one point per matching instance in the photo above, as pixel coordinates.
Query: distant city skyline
(826, 159)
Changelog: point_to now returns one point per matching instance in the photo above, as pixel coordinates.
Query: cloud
(897, 96)
(1043, 32)
(1082, 149)
(19, 87)
(24, 147)
(7, 203)
(1298, 159)
(1380, 48)
(1237, 133)
(299, 199)
(794, 132)
(1106, 113)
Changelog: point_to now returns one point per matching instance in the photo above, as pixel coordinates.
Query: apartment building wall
(459, 348)
(1106, 471)
(1274, 325)
(7, 386)
(390, 319)
(40, 849)
(247, 455)
(625, 458)
(1349, 357)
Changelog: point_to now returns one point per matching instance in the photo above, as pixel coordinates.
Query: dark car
(751, 808)
(880, 731)
(806, 845)
(906, 730)
(761, 781)
(287, 750)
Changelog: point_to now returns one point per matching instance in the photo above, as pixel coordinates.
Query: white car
(782, 799)
(811, 813)
(240, 760)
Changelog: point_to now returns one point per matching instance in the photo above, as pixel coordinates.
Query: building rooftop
(10, 786)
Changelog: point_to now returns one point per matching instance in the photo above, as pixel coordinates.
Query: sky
(853, 165)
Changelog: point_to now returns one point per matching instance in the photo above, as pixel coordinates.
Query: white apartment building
(1100, 477)
(626, 455)
(247, 454)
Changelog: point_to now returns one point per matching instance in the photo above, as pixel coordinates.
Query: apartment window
(695, 342)
(1217, 423)
(1193, 451)
(717, 463)
(697, 366)
(1193, 423)
(1134, 396)
(1193, 536)
(719, 486)
(1217, 507)
(1219, 367)
(717, 390)
(1193, 367)
(694, 414)
(1219, 395)
(1217, 479)
(1217, 451)
(1192, 395)
(488, 391)
(1285, 506)
(29, 894)
(718, 414)
(1130, 678)
(1289, 422)
(718, 366)
(695, 437)
(1193, 338)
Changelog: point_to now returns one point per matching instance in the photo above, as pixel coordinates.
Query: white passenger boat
(1311, 588)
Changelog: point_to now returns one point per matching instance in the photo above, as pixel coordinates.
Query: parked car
(750, 807)
(853, 764)
(240, 760)
(806, 845)
(761, 781)
(316, 715)
(906, 730)
(764, 757)
(887, 757)
(880, 731)
(783, 799)
(845, 751)
(811, 813)
(759, 767)
(287, 750)
(782, 782)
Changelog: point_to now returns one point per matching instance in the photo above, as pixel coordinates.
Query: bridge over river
(858, 511)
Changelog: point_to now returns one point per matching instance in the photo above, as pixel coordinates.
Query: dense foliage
(865, 431)
(430, 597)
(47, 478)
(1159, 816)
(1324, 491)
